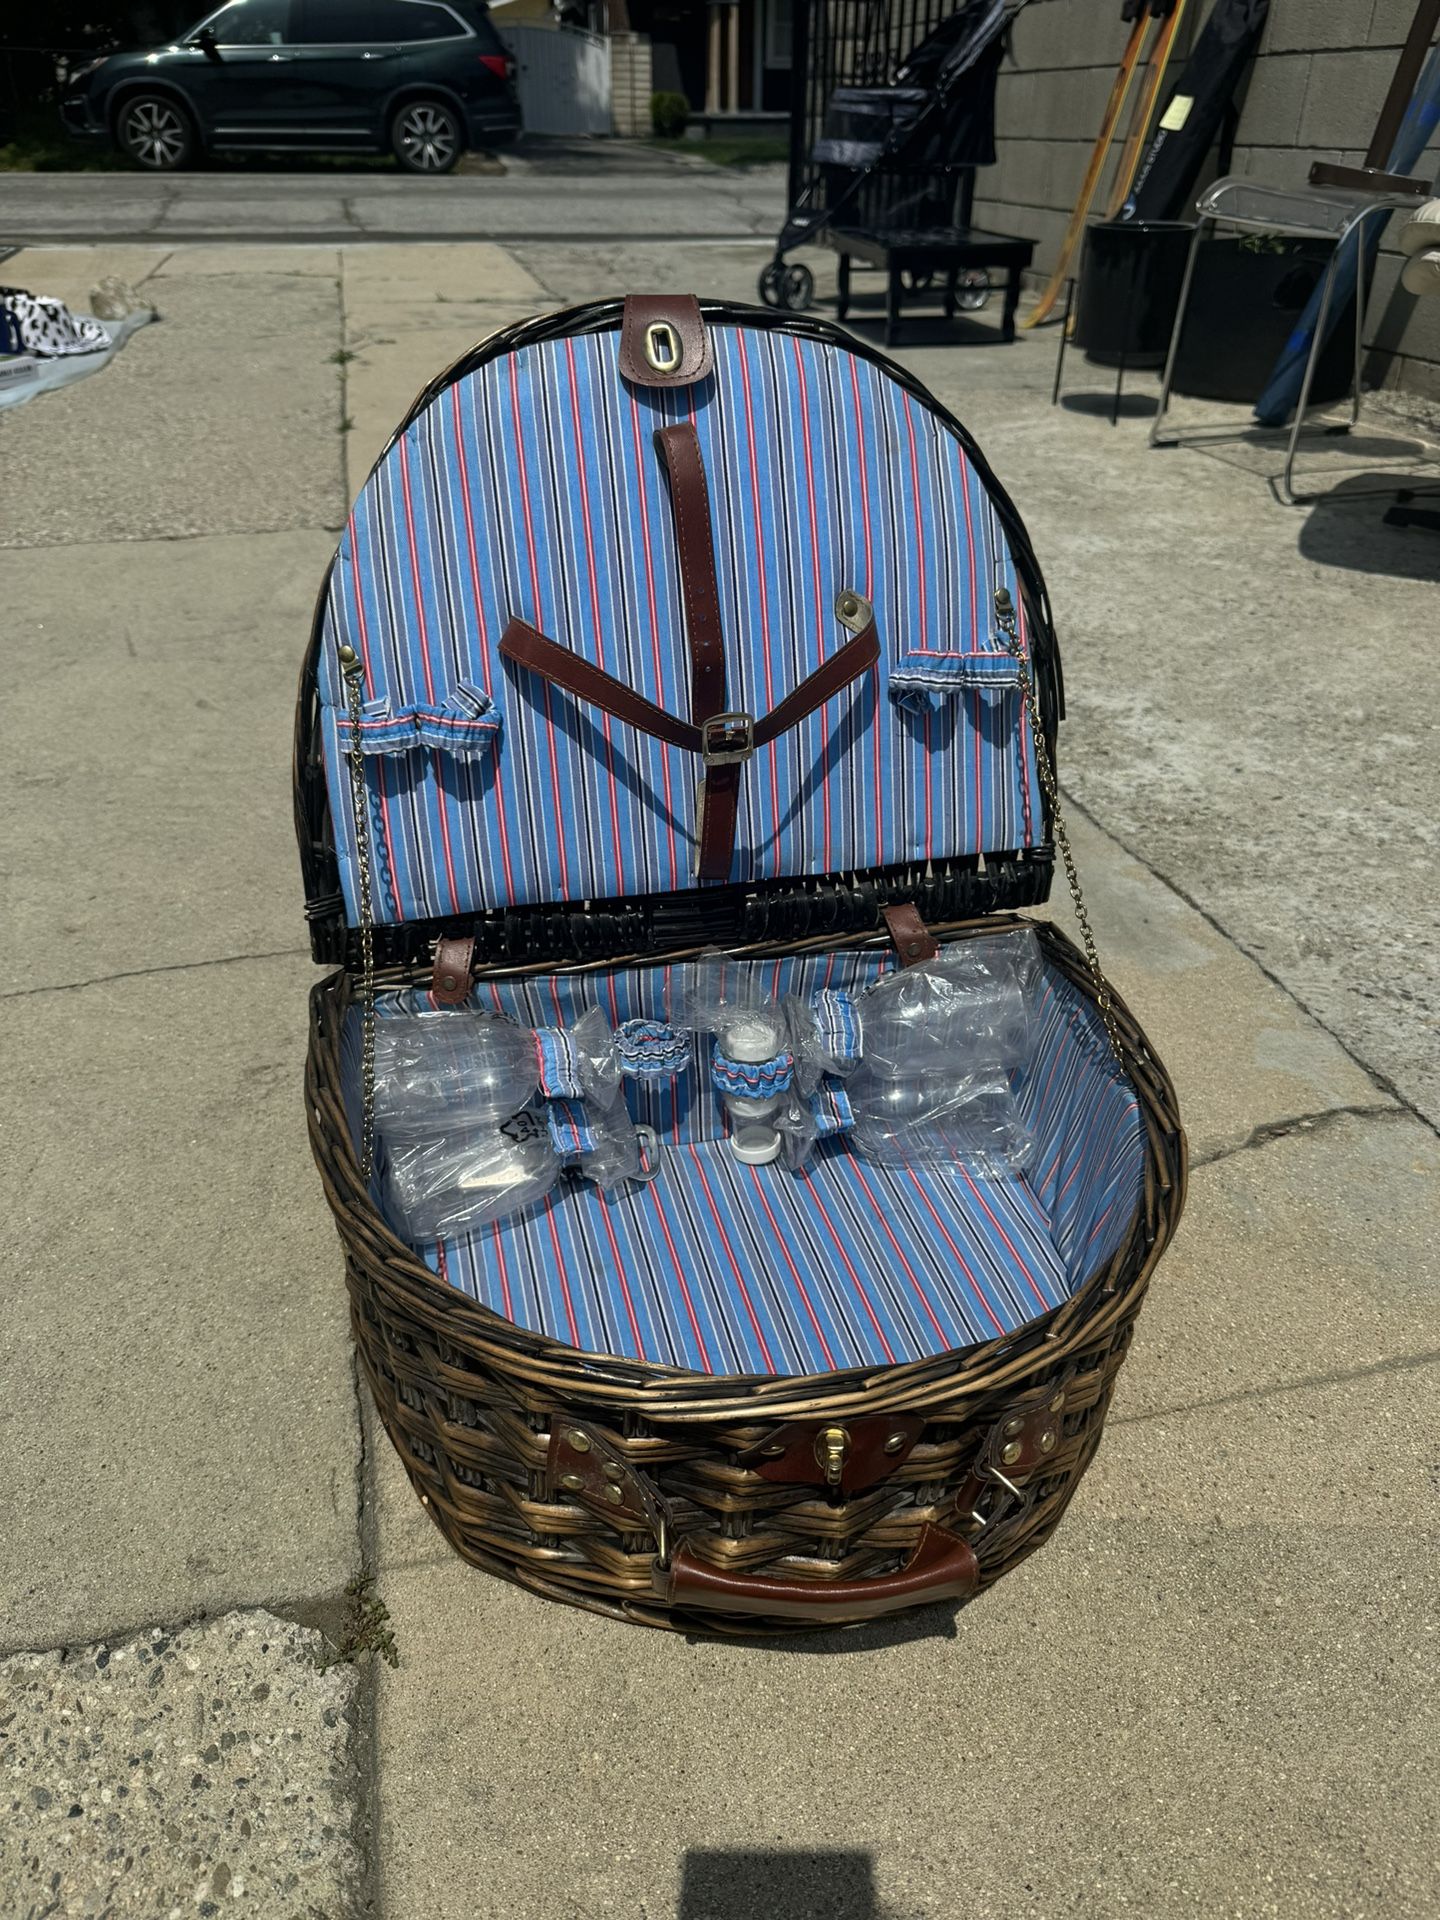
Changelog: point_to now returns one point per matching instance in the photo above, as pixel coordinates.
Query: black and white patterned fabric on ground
(35, 323)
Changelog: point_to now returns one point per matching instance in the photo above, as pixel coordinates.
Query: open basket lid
(840, 551)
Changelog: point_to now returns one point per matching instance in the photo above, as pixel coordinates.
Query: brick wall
(1314, 91)
(630, 84)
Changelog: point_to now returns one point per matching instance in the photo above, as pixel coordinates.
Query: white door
(563, 78)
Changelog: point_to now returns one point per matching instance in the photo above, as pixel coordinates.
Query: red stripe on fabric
(975, 1290)
(441, 797)
(854, 1276)
(504, 1270)
(1015, 1255)
(539, 616)
(910, 1273)
(564, 1278)
(620, 1276)
(594, 600)
(760, 581)
(730, 1256)
(859, 456)
(976, 714)
(653, 606)
(921, 620)
(482, 644)
(794, 1270)
(827, 855)
(653, 1188)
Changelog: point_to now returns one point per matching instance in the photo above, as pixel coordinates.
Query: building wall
(1314, 91)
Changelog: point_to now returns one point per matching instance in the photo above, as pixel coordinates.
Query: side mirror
(205, 40)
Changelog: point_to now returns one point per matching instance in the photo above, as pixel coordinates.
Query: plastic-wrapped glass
(723, 997)
(438, 1073)
(444, 1184)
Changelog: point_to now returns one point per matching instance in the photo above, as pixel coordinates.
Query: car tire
(155, 132)
(426, 136)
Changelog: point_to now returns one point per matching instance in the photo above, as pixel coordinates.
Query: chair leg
(1287, 490)
(1176, 330)
(1064, 336)
(1119, 384)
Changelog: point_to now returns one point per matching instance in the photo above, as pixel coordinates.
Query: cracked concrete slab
(147, 736)
(149, 448)
(201, 1772)
(179, 1430)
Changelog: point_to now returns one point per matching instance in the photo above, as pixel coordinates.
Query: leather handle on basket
(942, 1567)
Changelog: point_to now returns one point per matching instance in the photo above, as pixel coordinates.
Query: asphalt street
(558, 191)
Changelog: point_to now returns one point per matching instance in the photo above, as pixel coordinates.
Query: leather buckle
(727, 738)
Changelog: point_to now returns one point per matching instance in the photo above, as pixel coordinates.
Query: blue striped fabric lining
(724, 1268)
(531, 488)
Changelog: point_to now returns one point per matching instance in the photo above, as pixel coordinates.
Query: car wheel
(155, 132)
(427, 137)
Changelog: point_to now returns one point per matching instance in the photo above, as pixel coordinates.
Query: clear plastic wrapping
(454, 1182)
(753, 1065)
(437, 1074)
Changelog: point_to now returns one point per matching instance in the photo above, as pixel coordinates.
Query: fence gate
(563, 78)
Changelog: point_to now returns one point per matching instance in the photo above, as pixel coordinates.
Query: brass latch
(832, 1444)
(662, 347)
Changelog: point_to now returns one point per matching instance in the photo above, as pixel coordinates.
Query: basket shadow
(725, 1884)
(924, 1623)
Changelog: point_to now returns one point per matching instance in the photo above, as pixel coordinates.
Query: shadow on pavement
(1133, 406)
(1376, 523)
(723, 1885)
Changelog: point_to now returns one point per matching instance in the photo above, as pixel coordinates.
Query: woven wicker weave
(471, 1401)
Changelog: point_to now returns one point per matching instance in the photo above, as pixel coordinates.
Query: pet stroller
(891, 153)
(745, 1210)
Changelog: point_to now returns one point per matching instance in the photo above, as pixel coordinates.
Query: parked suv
(422, 79)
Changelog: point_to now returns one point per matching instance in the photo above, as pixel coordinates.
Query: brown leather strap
(690, 500)
(527, 648)
(913, 939)
(450, 977)
(942, 1567)
(680, 330)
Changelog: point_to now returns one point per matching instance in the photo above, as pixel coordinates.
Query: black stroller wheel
(797, 289)
(768, 285)
(972, 290)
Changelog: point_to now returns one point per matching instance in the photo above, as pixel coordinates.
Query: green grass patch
(42, 145)
(756, 152)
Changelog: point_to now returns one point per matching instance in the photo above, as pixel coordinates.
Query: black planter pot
(1244, 302)
(1129, 286)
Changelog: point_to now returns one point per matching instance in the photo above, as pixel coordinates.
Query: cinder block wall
(1314, 91)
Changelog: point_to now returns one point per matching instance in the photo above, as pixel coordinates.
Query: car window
(350, 23)
(251, 23)
(430, 23)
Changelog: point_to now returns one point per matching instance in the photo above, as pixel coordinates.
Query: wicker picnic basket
(609, 550)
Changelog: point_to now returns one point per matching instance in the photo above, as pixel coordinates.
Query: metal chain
(1050, 786)
(354, 672)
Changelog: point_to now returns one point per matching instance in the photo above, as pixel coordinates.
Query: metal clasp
(727, 738)
(662, 347)
(832, 1445)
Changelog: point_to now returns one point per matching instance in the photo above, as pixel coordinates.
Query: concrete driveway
(1212, 1694)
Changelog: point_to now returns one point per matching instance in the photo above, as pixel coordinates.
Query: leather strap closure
(914, 941)
(450, 976)
(663, 341)
(847, 1456)
(679, 448)
(942, 1567)
(726, 741)
(582, 1464)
